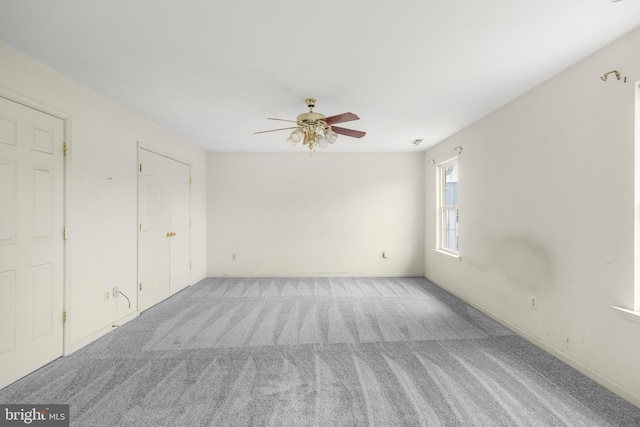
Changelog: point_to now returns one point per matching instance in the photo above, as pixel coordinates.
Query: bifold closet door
(31, 244)
(164, 228)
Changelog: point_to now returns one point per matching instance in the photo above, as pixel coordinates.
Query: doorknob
(168, 234)
(173, 233)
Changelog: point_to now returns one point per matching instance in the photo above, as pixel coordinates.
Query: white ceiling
(212, 71)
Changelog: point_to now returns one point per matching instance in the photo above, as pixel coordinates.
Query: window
(448, 212)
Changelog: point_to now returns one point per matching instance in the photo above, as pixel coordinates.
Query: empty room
(293, 213)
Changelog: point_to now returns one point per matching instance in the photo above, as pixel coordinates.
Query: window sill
(634, 316)
(447, 254)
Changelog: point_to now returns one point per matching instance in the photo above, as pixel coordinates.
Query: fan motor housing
(310, 117)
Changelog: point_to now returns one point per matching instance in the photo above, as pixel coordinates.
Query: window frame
(443, 209)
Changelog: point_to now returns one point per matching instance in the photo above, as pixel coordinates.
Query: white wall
(101, 208)
(546, 209)
(289, 214)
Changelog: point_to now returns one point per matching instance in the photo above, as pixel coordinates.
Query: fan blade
(348, 132)
(282, 120)
(276, 130)
(341, 118)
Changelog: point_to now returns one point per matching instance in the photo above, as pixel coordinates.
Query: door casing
(146, 147)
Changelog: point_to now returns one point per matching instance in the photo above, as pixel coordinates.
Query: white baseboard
(590, 373)
(77, 345)
(313, 274)
(199, 278)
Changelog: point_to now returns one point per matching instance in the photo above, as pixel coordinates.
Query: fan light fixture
(316, 130)
(312, 130)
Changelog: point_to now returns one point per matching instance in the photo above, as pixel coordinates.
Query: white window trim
(633, 313)
(450, 255)
(439, 208)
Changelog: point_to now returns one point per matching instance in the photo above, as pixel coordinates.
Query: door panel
(42, 208)
(42, 139)
(7, 311)
(8, 202)
(42, 286)
(8, 129)
(31, 247)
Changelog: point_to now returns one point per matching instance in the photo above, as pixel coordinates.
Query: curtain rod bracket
(604, 78)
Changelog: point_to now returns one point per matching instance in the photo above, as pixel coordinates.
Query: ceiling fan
(316, 130)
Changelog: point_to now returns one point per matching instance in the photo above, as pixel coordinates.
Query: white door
(180, 250)
(31, 246)
(164, 228)
(154, 229)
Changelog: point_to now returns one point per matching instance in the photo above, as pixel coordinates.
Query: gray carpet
(318, 352)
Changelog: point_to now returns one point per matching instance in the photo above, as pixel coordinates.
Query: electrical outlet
(107, 295)
(534, 302)
(115, 291)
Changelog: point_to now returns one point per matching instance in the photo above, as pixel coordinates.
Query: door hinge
(189, 180)
(140, 167)
(140, 226)
(65, 233)
(140, 285)
(189, 266)
(64, 148)
(64, 317)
